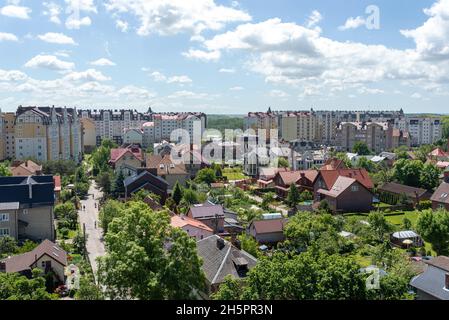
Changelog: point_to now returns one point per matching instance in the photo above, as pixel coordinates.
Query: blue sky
(225, 56)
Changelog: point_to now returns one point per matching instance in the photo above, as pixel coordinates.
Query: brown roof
(340, 185)
(441, 262)
(333, 164)
(23, 262)
(165, 165)
(117, 154)
(269, 226)
(361, 175)
(397, 188)
(292, 177)
(26, 168)
(441, 194)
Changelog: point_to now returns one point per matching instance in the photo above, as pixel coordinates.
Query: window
(4, 232)
(355, 188)
(4, 217)
(25, 211)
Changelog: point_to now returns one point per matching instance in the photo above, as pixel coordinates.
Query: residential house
(168, 169)
(133, 136)
(333, 164)
(26, 207)
(124, 159)
(269, 231)
(195, 228)
(267, 175)
(346, 190)
(393, 192)
(440, 198)
(146, 181)
(26, 168)
(433, 283)
(304, 180)
(438, 155)
(210, 214)
(221, 259)
(47, 256)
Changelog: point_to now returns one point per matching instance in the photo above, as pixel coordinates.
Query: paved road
(89, 218)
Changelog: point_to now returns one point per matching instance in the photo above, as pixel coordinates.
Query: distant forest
(222, 122)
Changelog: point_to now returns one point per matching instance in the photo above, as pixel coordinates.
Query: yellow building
(89, 135)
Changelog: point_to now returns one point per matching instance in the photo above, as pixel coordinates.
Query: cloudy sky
(223, 56)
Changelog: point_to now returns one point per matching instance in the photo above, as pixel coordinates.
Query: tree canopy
(434, 228)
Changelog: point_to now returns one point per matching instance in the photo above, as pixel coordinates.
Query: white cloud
(122, 25)
(237, 88)
(416, 95)
(57, 38)
(226, 70)
(202, 55)
(177, 16)
(12, 75)
(88, 75)
(184, 94)
(432, 38)
(49, 62)
(4, 36)
(103, 62)
(15, 11)
(314, 18)
(73, 23)
(53, 11)
(278, 94)
(160, 77)
(353, 23)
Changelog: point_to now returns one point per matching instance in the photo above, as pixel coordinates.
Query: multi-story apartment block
(47, 133)
(111, 124)
(422, 130)
(378, 136)
(7, 141)
(301, 126)
(165, 123)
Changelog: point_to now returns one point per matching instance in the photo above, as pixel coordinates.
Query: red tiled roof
(116, 154)
(291, 177)
(438, 153)
(180, 222)
(333, 164)
(340, 185)
(361, 175)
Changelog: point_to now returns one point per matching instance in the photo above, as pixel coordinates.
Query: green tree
(361, 148)
(229, 290)
(177, 193)
(148, 259)
(308, 276)
(104, 181)
(249, 244)
(379, 227)
(88, 290)
(434, 228)
(17, 287)
(110, 210)
(79, 243)
(364, 163)
(408, 172)
(189, 197)
(283, 163)
(67, 215)
(430, 176)
(8, 246)
(407, 224)
(306, 195)
(293, 196)
(119, 186)
(206, 175)
(4, 170)
(267, 199)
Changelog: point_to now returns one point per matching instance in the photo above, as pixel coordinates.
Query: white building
(148, 137)
(133, 136)
(422, 130)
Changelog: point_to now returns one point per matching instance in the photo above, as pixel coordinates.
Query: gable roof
(438, 153)
(26, 168)
(164, 165)
(218, 263)
(333, 164)
(292, 177)
(24, 261)
(432, 280)
(32, 190)
(397, 188)
(117, 154)
(361, 175)
(441, 194)
(269, 226)
(206, 211)
(341, 185)
(182, 221)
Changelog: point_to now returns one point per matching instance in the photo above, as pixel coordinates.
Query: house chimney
(446, 285)
(220, 243)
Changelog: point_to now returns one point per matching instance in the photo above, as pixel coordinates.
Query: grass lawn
(234, 174)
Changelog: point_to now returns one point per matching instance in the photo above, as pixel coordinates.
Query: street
(89, 219)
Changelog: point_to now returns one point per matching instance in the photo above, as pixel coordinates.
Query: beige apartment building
(48, 133)
(7, 141)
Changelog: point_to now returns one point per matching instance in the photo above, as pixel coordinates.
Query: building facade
(422, 130)
(7, 141)
(47, 133)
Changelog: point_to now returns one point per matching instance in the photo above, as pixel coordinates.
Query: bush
(64, 233)
(424, 205)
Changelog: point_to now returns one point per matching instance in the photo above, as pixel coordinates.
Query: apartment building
(111, 124)
(422, 130)
(47, 133)
(165, 123)
(300, 125)
(378, 136)
(7, 141)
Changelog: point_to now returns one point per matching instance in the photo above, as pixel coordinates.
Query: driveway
(89, 219)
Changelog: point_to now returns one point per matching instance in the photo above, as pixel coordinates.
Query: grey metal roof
(132, 179)
(9, 206)
(432, 282)
(405, 235)
(218, 263)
